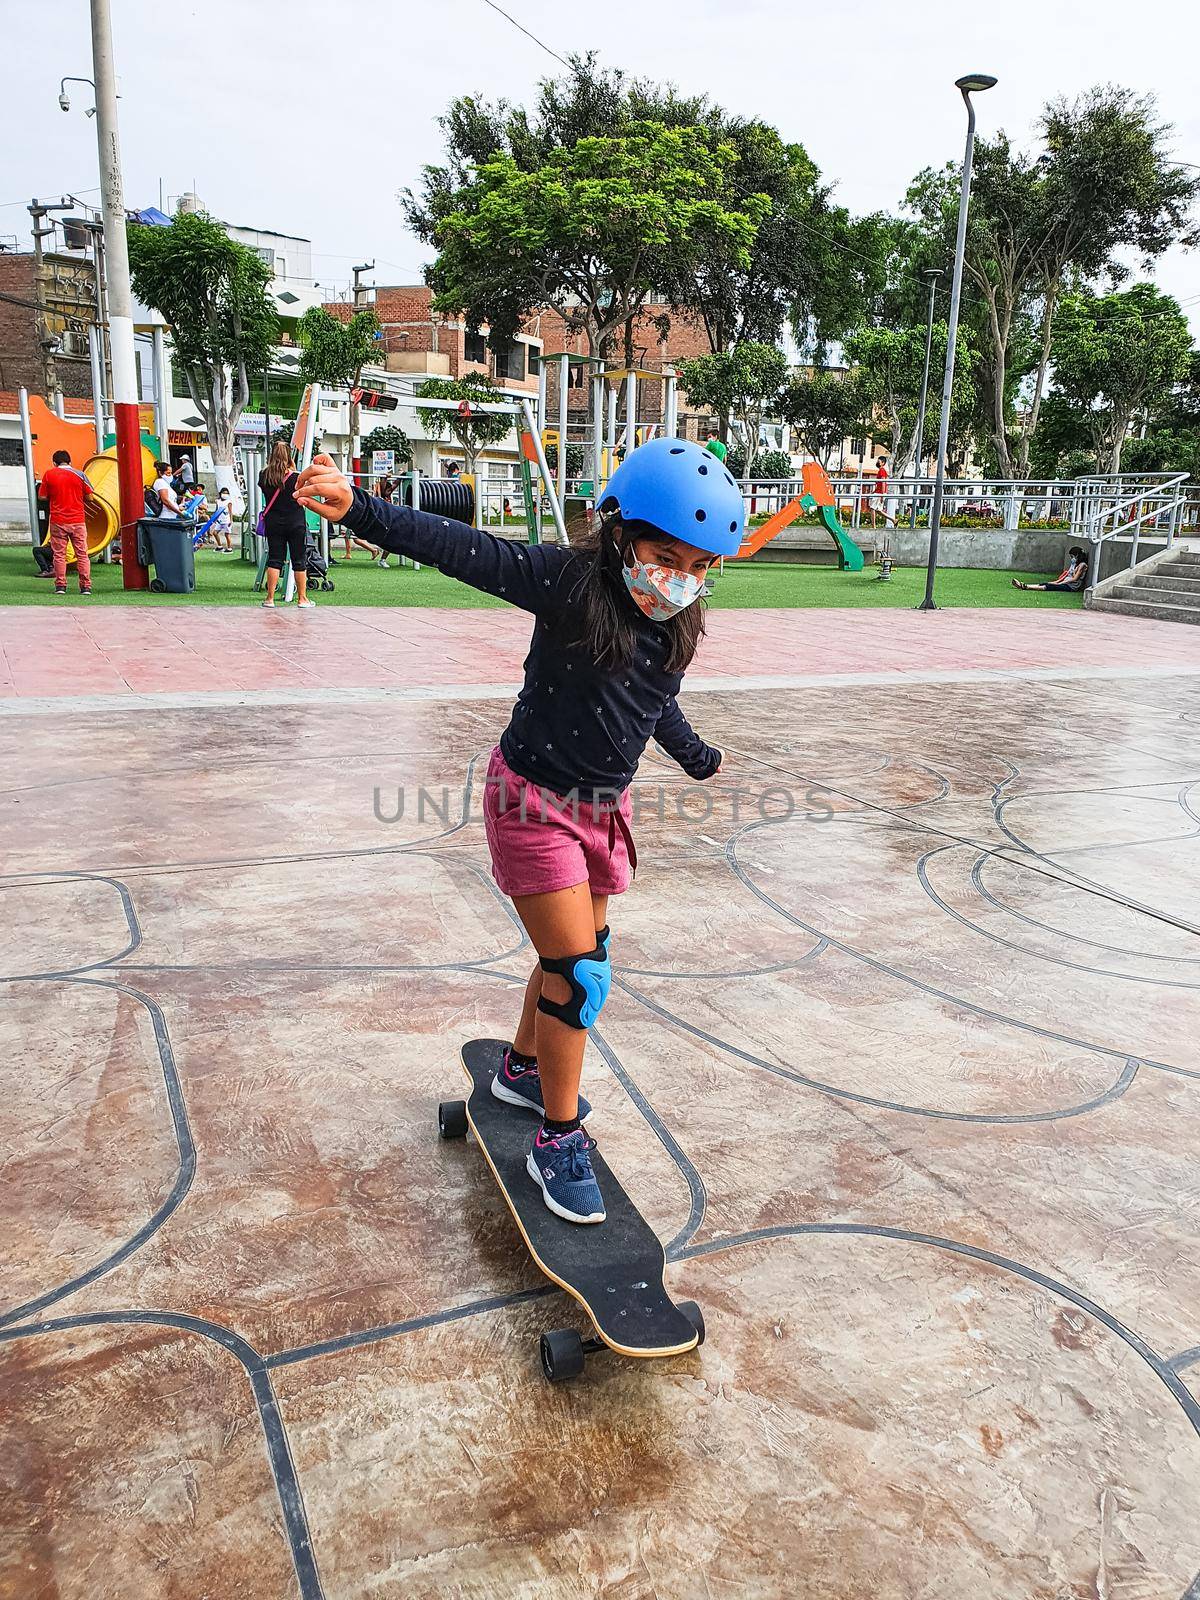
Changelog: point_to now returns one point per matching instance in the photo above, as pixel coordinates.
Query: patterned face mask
(661, 592)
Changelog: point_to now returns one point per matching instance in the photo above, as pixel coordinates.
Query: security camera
(64, 101)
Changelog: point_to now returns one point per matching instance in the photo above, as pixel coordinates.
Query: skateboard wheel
(695, 1316)
(562, 1354)
(452, 1119)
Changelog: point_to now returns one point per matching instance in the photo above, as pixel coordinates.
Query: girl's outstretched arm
(525, 575)
(682, 743)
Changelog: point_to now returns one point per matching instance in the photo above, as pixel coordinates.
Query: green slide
(850, 557)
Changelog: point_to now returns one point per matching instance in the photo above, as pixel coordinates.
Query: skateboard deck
(613, 1268)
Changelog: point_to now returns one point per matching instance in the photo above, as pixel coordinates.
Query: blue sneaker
(524, 1088)
(563, 1170)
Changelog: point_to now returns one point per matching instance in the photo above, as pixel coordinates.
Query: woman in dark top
(284, 521)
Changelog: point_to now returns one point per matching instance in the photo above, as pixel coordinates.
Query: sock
(517, 1063)
(558, 1130)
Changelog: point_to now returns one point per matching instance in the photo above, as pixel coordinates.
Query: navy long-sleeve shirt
(575, 726)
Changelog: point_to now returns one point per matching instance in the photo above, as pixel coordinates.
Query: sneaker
(86, 592)
(517, 1088)
(562, 1169)
(382, 562)
(60, 588)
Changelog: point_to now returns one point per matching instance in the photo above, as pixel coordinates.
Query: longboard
(614, 1269)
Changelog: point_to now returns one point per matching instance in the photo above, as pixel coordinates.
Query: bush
(769, 465)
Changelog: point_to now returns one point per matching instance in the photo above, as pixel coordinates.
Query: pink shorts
(540, 843)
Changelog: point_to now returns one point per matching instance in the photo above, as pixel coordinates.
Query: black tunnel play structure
(445, 497)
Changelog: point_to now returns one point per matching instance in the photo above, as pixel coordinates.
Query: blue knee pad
(590, 978)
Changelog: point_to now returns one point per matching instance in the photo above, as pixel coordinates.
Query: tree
(825, 408)
(212, 292)
(745, 382)
(798, 269)
(577, 463)
(473, 430)
(584, 231)
(334, 354)
(770, 466)
(388, 438)
(1116, 355)
(889, 363)
(1102, 184)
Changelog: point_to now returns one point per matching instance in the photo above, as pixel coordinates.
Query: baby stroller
(316, 565)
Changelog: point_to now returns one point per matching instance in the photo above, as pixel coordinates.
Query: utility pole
(45, 340)
(355, 418)
(120, 299)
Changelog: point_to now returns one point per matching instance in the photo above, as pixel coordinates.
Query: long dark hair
(280, 464)
(607, 627)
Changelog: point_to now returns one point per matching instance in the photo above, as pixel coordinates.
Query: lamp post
(974, 82)
(933, 277)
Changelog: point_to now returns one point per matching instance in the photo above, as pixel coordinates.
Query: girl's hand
(323, 489)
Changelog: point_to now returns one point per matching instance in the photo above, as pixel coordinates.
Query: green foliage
(1101, 185)
(889, 363)
(212, 292)
(388, 438)
(769, 465)
(585, 230)
(745, 382)
(825, 408)
(474, 432)
(1116, 354)
(335, 352)
(576, 459)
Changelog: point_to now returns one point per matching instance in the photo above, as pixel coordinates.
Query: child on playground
(618, 617)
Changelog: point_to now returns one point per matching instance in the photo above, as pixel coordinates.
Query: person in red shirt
(878, 498)
(67, 490)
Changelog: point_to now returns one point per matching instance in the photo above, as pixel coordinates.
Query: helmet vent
(733, 527)
(677, 450)
(701, 515)
(703, 471)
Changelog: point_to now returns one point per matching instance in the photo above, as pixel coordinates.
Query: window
(510, 361)
(474, 347)
(12, 453)
(576, 370)
(535, 360)
(858, 447)
(179, 387)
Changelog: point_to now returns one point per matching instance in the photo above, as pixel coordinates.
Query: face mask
(661, 592)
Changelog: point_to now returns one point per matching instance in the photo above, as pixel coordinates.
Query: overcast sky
(307, 118)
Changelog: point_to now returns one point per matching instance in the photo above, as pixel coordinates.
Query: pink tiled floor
(113, 650)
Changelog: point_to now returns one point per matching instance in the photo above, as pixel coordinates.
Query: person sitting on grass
(1071, 580)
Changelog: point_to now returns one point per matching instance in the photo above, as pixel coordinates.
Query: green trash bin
(166, 544)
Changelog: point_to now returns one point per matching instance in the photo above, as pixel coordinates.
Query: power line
(7, 205)
(542, 45)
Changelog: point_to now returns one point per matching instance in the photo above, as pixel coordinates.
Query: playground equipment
(817, 495)
(48, 433)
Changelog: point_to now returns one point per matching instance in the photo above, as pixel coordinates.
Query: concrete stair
(1166, 588)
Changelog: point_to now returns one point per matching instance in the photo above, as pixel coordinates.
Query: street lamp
(933, 277)
(973, 83)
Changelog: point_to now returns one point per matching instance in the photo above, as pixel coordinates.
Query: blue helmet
(683, 490)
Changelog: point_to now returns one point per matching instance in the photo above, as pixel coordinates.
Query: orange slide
(50, 432)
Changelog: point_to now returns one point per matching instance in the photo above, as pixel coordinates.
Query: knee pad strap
(590, 978)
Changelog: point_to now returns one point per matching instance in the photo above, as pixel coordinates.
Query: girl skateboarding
(618, 616)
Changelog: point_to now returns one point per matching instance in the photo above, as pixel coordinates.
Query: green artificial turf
(226, 581)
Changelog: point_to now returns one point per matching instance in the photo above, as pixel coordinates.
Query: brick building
(44, 340)
(420, 342)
